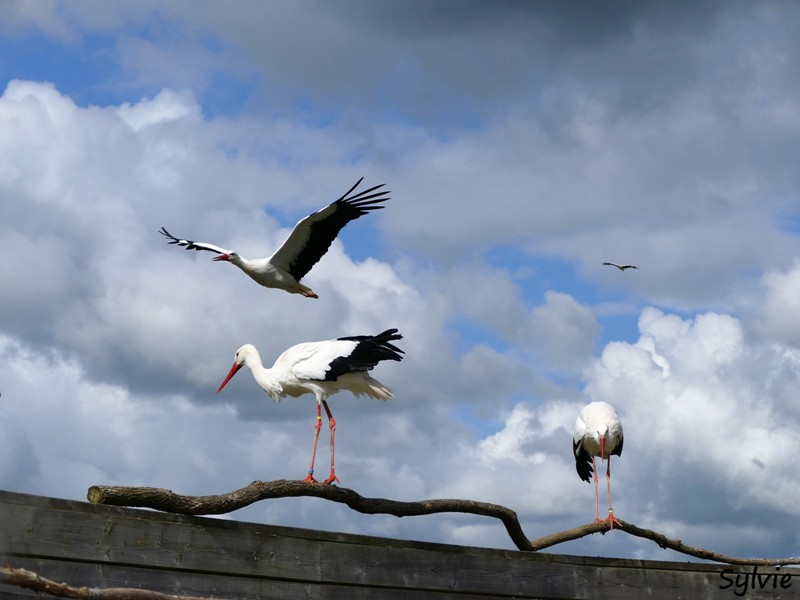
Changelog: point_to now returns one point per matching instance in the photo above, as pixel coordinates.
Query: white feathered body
(597, 421)
(264, 272)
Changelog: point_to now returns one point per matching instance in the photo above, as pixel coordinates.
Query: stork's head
(243, 353)
(238, 362)
(230, 257)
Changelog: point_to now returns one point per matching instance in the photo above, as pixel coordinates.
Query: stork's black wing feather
(618, 449)
(313, 235)
(368, 352)
(190, 244)
(583, 462)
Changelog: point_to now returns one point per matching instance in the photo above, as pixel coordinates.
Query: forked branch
(168, 501)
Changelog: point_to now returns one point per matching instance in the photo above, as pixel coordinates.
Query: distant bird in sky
(620, 267)
(308, 242)
(322, 368)
(598, 432)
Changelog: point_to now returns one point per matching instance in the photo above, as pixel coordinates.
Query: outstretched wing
(312, 236)
(620, 267)
(191, 245)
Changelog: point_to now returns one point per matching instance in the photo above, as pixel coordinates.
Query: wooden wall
(102, 546)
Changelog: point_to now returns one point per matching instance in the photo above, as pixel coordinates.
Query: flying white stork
(598, 432)
(620, 267)
(322, 368)
(308, 242)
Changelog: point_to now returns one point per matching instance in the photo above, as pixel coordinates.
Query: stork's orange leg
(332, 424)
(596, 493)
(310, 477)
(610, 518)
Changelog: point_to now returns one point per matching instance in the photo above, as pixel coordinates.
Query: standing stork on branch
(598, 432)
(322, 368)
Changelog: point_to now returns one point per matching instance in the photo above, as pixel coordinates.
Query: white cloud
(695, 398)
(82, 433)
(564, 330)
(708, 446)
(782, 301)
(165, 107)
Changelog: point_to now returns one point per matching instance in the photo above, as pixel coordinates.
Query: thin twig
(679, 546)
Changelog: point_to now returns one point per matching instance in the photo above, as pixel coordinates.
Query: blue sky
(524, 145)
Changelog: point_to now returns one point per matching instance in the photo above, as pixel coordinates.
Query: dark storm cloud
(447, 64)
(414, 58)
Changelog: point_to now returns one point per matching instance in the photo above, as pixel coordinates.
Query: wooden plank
(521, 574)
(221, 587)
(143, 538)
(229, 587)
(93, 545)
(167, 581)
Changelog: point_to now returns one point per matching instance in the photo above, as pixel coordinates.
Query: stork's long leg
(611, 520)
(596, 493)
(332, 424)
(317, 427)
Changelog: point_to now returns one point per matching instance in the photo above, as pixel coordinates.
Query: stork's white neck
(263, 376)
(238, 260)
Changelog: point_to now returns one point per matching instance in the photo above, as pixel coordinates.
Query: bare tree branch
(32, 581)
(168, 501)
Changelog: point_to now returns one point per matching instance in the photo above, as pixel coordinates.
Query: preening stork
(598, 432)
(308, 242)
(322, 368)
(620, 267)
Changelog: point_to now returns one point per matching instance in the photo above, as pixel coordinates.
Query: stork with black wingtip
(598, 432)
(322, 368)
(308, 242)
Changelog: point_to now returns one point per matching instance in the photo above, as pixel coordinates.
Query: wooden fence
(102, 546)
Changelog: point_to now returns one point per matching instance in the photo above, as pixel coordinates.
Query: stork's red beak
(231, 373)
(222, 257)
(602, 445)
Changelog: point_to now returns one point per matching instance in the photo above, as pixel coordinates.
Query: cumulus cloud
(564, 330)
(700, 417)
(697, 423)
(782, 301)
